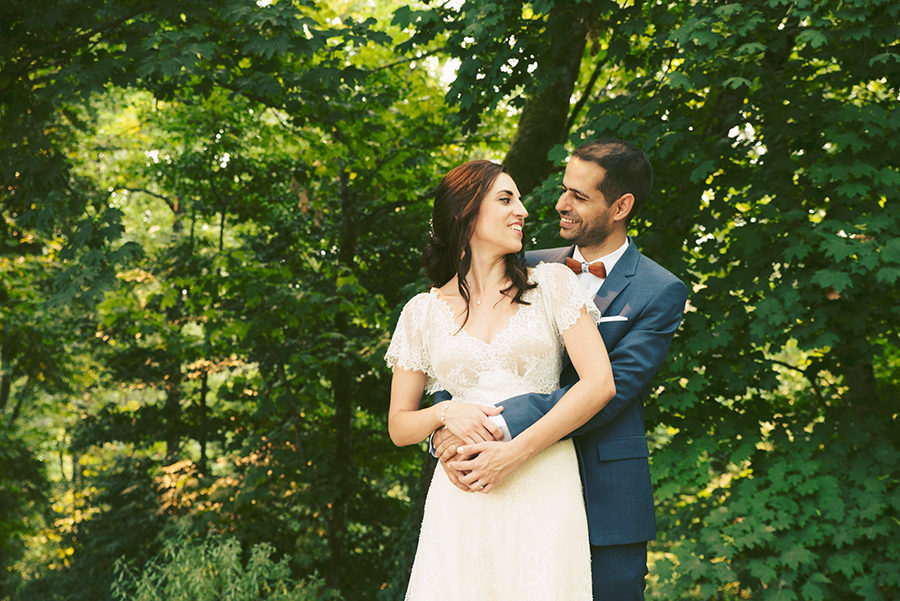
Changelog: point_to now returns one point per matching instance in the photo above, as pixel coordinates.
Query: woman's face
(501, 218)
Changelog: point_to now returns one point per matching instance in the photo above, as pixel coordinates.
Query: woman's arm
(408, 424)
(595, 388)
(637, 349)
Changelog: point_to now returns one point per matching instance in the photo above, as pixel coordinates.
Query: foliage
(257, 196)
(212, 569)
(23, 501)
(212, 212)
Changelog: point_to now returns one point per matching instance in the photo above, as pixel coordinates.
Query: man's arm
(635, 360)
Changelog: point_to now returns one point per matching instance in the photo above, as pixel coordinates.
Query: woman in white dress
(486, 331)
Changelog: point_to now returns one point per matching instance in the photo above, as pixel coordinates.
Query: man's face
(585, 216)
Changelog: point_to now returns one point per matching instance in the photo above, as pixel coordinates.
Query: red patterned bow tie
(598, 269)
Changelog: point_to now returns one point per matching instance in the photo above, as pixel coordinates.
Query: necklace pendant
(478, 302)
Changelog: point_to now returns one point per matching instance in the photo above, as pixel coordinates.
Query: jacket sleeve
(635, 359)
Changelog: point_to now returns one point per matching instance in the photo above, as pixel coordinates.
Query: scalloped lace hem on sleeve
(565, 294)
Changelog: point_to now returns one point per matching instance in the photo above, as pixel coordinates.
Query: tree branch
(812, 381)
(172, 204)
(32, 62)
(409, 60)
(586, 95)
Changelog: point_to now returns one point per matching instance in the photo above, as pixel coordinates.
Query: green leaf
(813, 37)
(797, 250)
(782, 594)
(890, 252)
(750, 48)
(701, 171)
(762, 570)
(847, 564)
(853, 190)
(736, 82)
(728, 10)
(813, 591)
(837, 248)
(884, 58)
(677, 79)
(706, 37)
(888, 275)
(829, 278)
(887, 177)
(557, 154)
(797, 556)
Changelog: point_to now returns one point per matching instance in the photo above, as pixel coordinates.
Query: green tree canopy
(212, 212)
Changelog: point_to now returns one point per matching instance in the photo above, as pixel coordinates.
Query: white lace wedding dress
(527, 539)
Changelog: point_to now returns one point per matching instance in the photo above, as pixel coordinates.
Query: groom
(604, 185)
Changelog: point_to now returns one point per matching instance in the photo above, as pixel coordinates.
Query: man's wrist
(432, 448)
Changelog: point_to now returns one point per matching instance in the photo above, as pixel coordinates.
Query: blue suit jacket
(612, 447)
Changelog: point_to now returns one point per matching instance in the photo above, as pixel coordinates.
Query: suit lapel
(619, 278)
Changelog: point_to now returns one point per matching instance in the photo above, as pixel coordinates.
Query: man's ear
(622, 206)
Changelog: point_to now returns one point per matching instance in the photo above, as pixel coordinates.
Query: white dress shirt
(588, 280)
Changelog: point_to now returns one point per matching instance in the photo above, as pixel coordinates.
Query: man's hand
(445, 444)
(489, 465)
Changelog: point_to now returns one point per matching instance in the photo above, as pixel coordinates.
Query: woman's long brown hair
(456, 204)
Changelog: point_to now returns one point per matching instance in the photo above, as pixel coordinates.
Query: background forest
(212, 213)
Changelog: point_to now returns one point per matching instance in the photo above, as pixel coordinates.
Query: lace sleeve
(563, 294)
(408, 348)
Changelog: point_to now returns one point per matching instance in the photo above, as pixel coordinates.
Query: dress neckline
(448, 311)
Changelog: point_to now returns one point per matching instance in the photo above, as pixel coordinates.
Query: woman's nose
(521, 211)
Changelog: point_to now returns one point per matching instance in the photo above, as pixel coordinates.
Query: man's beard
(595, 235)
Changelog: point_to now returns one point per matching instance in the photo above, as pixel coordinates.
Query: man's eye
(505, 200)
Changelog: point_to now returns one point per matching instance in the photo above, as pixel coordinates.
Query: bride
(486, 331)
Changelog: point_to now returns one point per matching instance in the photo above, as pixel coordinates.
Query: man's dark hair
(627, 170)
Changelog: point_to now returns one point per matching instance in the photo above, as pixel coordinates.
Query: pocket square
(613, 318)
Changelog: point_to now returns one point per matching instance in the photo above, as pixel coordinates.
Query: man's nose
(563, 204)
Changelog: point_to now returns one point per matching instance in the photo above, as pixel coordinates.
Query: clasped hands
(471, 450)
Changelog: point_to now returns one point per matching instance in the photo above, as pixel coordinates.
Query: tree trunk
(859, 376)
(172, 412)
(204, 388)
(342, 387)
(542, 123)
(5, 377)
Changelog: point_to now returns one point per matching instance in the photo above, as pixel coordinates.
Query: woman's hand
(470, 422)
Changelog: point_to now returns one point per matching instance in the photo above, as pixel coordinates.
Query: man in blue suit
(642, 304)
